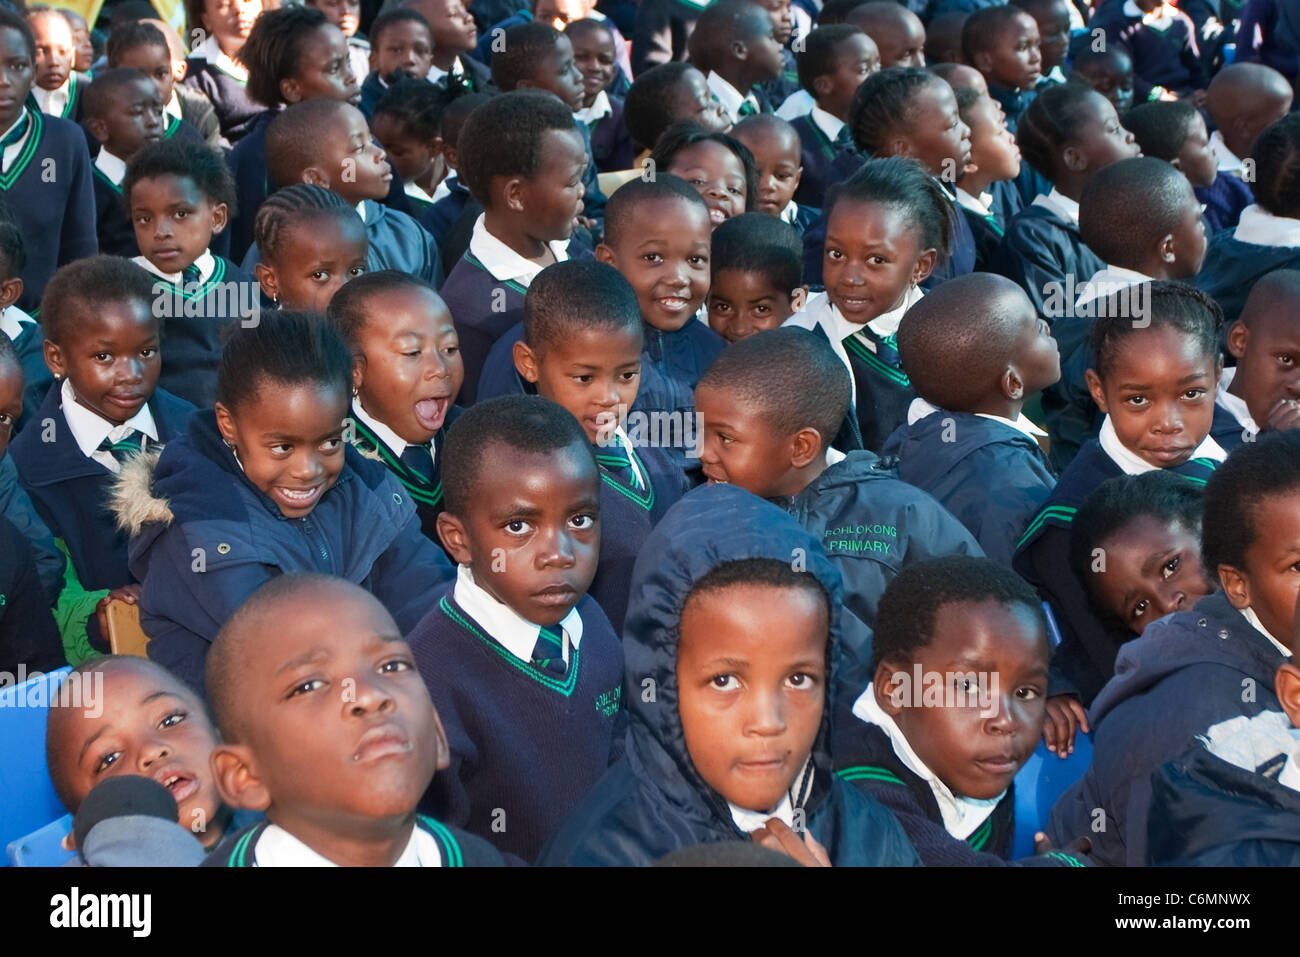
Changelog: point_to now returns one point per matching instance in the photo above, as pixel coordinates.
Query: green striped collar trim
(36, 124)
(981, 835)
(420, 490)
(1067, 859)
(1055, 514)
(172, 127)
(239, 856)
(644, 499)
(508, 283)
(450, 847)
(103, 178)
(218, 274)
(72, 97)
(867, 772)
(859, 349)
(564, 687)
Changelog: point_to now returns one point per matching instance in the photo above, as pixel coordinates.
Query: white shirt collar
(395, 443)
(599, 109)
(603, 439)
(1131, 463)
(1229, 162)
(278, 848)
(1059, 203)
(12, 151)
(798, 103)
(919, 409)
(53, 101)
(436, 73)
(1262, 228)
(730, 98)
(502, 261)
(834, 456)
(751, 821)
(961, 815)
(886, 324)
(207, 264)
(512, 631)
(1107, 281)
(1160, 18)
(415, 191)
(114, 167)
(211, 51)
(790, 213)
(173, 107)
(1235, 404)
(1250, 616)
(89, 429)
(979, 205)
(12, 320)
(827, 123)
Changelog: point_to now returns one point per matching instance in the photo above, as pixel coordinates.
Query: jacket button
(397, 498)
(1202, 622)
(1223, 633)
(223, 548)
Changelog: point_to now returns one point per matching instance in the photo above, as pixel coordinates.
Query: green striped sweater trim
(239, 856)
(981, 835)
(218, 274)
(867, 772)
(508, 283)
(823, 140)
(856, 346)
(8, 179)
(1057, 514)
(72, 97)
(172, 127)
(421, 492)
(647, 499)
(103, 177)
(1066, 859)
(565, 687)
(447, 843)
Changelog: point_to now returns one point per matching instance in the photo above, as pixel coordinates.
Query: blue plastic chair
(43, 847)
(27, 798)
(1042, 780)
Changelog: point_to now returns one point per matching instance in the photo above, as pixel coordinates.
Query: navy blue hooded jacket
(197, 505)
(1232, 268)
(992, 478)
(654, 801)
(1040, 248)
(1187, 672)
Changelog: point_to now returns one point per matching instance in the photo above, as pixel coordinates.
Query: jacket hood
(684, 547)
(131, 498)
(961, 432)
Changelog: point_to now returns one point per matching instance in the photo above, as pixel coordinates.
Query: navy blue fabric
(115, 234)
(16, 507)
(30, 346)
(661, 32)
(611, 143)
(1041, 248)
(671, 365)
(229, 97)
(1013, 103)
(1169, 58)
(28, 636)
(817, 154)
(1232, 268)
(654, 801)
(1224, 200)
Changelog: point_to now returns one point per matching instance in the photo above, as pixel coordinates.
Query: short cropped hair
(348, 308)
(1161, 127)
(818, 56)
(1255, 471)
(985, 27)
(84, 286)
(759, 243)
(184, 159)
(523, 48)
(290, 348)
(620, 206)
(1173, 305)
(293, 138)
(1128, 207)
(576, 295)
(647, 108)
(504, 137)
(95, 101)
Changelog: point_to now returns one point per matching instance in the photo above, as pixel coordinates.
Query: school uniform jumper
(115, 231)
(1238, 258)
(28, 636)
(1042, 246)
(672, 362)
(225, 83)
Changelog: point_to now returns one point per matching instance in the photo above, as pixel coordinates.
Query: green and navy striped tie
(131, 444)
(548, 653)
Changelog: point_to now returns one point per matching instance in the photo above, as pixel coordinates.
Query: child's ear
(315, 176)
(886, 688)
(900, 146)
(452, 532)
(1238, 335)
(1166, 250)
(739, 49)
(1177, 163)
(236, 778)
(358, 372)
(1074, 160)
(805, 446)
(1235, 585)
(924, 266)
(98, 129)
(983, 62)
(822, 86)
(267, 279)
(220, 216)
(54, 359)
(10, 292)
(526, 361)
(512, 193)
(225, 424)
(291, 90)
(1286, 685)
(1095, 390)
(604, 254)
(442, 750)
(1013, 387)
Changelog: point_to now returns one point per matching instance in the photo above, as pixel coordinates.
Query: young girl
(1155, 381)
(310, 242)
(407, 121)
(994, 161)
(215, 67)
(346, 15)
(887, 227)
(266, 484)
(406, 371)
(293, 54)
(719, 166)
(1067, 134)
(602, 111)
(1267, 236)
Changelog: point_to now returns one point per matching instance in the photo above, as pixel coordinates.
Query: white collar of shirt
(211, 51)
(919, 409)
(207, 264)
(1160, 18)
(415, 191)
(1056, 74)
(173, 107)
(278, 848)
(750, 821)
(730, 98)
(979, 205)
(1107, 281)
(1235, 404)
(361, 209)
(1229, 161)
(436, 73)
(395, 442)
(790, 213)
(1262, 228)
(599, 109)
(503, 262)
(834, 456)
(53, 101)
(513, 632)
(1250, 616)
(886, 324)
(1060, 204)
(828, 124)
(12, 320)
(798, 103)
(114, 167)
(1131, 463)
(90, 429)
(13, 149)
(627, 444)
(961, 815)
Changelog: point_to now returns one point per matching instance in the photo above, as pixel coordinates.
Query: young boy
(178, 194)
(455, 34)
(56, 216)
(124, 115)
(1262, 391)
(20, 328)
(1002, 43)
(602, 111)
(735, 749)
(102, 342)
(896, 31)
(775, 146)
(1174, 131)
(756, 266)
(1109, 71)
(522, 158)
(735, 47)
(657, 235)
(523, 666)
(770, 405)
(1243, 100)
(976, 352)
(58, 88)
(339, 785)
(451, 218)
(834, 62)
(581, 348)
(1160, 38)
(665, 95)
(946, 772)
(142, 46)
(401, 44)
(1054, 26)
(986, 188)
(327, 143)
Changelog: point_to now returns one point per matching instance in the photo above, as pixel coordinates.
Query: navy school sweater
(445, 213)
(116, 235)
(991, 477)
(1187, 672)
(30, 346)
(1233, 267)
(525, 746)
(72, 492)
(1085, 659)
(611, 144)
(671, 365)
(1040, 248)
(197, 506)
(654, 801)
(28, 636)
(48, 191)
(1168, 57)
(372, 91)
(1224, 200)
(883, 392)
(458, 849)
(16, 507)
(1070, 415)
(229, 97)
(74, 109)
(816, 153)
(987, 233)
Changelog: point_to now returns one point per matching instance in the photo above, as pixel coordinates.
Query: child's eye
(412, 354)
(1287, 361)
(720, 307)
(1136, 400)
(102, 357)
(1170, 567)
(450, 350)
(307, 687)
(182, 213)
(356, 271)
(107, 761)
(802, 680)
(1140, 609)
(320, 275)
(583, 522)
(1194, 394)
(723, 682)
(1028, 694)
(149, 352)
(395, 666)
(173, 719)
(725, 439)
(654, 258)
(332, 444)
(834, 254)
(630, 375)
(762, 310)
(583, 379)
(281, 449)
(698, 261)
(517, 527)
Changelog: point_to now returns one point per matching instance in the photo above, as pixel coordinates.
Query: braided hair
(286, 208)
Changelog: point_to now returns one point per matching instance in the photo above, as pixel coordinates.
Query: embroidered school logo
(607, 703)
(855, 539)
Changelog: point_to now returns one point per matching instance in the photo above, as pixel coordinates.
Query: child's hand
(1284, 415)
(127, 593)
(1076, 848)
(777, 836)
(1061, 719)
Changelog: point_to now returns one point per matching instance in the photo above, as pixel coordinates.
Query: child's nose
(767, 716)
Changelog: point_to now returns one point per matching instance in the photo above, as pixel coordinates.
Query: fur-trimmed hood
(132, 500)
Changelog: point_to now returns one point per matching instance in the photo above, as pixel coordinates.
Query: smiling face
(741, 446)
(532, 534)
(174, 222)
(316, 256)
(153, 61)
(131, 120)
(150, 725)
(1268, 358)
(593, 54)
(403, 45)
(751, 687)
(717, 174)
(592, 372)
(409, 368)
(1159, 393)
(289, 440)
(743, 302)
(55, 49)
(871, 257)
(777, 158)
(1152, 569)
(975, 751)
(323, 69)
(934, 133)
(1014, 61)
(110, 355)
(663, 253)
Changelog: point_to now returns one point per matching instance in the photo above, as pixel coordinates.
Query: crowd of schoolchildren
(577, 434)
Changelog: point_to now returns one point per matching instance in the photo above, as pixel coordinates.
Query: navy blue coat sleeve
(79, 237)
(410, 575)
(27, 632)
(19, 510)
